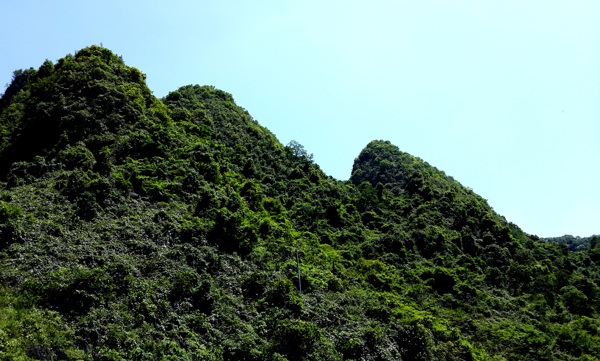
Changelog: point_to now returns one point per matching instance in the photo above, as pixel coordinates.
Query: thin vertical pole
(298, 261)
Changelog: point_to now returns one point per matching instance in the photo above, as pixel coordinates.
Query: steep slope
(138, 228)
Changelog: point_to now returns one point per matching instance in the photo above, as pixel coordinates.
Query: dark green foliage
(135, 228)
(575, 244)
(8, 227)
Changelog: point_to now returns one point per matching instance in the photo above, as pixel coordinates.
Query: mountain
(138, 228)
(575, 244)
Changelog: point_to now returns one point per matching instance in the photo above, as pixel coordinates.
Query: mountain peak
(382, 162)
(81, 98)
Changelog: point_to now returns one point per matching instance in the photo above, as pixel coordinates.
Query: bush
(295, 338)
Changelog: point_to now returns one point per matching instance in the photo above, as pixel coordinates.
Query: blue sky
(503, 95)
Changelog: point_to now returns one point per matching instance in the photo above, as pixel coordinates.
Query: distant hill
(576, 244)
(138, 228)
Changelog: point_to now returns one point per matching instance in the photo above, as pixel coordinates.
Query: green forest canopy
(138, 228)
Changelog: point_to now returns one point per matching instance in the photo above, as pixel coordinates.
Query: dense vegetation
(575, 244)
(137, 228)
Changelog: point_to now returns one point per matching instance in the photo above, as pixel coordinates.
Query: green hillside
(138, 228)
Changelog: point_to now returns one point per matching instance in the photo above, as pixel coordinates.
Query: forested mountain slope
(137, 228)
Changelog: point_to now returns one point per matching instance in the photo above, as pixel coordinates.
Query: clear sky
(503, 95)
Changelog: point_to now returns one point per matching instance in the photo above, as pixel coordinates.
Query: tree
(299, 151)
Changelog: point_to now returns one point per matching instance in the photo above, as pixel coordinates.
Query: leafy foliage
(575, 244)
(137, 228)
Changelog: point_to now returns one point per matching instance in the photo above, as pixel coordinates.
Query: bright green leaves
(25, 329)
(78, 156)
